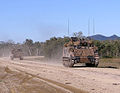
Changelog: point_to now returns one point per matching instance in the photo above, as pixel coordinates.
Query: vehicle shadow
(108, 67)
(83, 66)
(79, 66)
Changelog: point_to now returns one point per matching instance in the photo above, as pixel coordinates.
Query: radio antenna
(68, 26)
(93, 26)
(88, 27)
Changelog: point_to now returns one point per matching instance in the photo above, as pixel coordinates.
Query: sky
(40, 20)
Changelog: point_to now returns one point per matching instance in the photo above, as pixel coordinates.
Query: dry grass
(110, 63)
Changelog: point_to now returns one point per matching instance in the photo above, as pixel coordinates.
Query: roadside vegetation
(108, 48)
(53, 48)
(109, 63)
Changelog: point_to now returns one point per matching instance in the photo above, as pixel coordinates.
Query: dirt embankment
(93, 80)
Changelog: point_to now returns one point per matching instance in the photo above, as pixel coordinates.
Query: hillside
(102, 37)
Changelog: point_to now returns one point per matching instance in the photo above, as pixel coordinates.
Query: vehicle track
(22, 68)
(94, 80)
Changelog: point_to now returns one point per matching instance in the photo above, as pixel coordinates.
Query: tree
(78, 34)
(29, 44)
(37, 46)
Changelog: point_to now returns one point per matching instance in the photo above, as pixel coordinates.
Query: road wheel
(68, 63)
(93, 64)
(96, 62)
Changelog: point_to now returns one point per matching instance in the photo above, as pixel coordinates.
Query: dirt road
(69, 80)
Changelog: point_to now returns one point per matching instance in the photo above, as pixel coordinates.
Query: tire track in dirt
(67, 88)
(20, 82)
(94, 80)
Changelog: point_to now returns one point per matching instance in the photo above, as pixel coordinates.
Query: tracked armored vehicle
(80, 51)
(16, 53)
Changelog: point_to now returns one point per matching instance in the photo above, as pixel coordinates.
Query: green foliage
(29, 42)
(108, 48)
(53, 48)
(78, 34)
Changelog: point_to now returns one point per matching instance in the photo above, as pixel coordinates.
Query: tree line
(53, 48)
(108, 48)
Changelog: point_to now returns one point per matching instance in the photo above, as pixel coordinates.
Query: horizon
(40, 20)
(52, 37)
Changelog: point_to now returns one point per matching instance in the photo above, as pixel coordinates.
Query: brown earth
(51, 77)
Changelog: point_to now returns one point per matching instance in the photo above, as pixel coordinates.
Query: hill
(102, 37)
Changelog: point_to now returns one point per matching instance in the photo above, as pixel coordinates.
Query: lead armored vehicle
(16, 53)
(80, 51)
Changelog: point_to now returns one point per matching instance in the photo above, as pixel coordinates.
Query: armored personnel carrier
(16, 53)
(80, 51)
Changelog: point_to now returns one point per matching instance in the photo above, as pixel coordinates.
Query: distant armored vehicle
(16, 53)
(80, 51)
